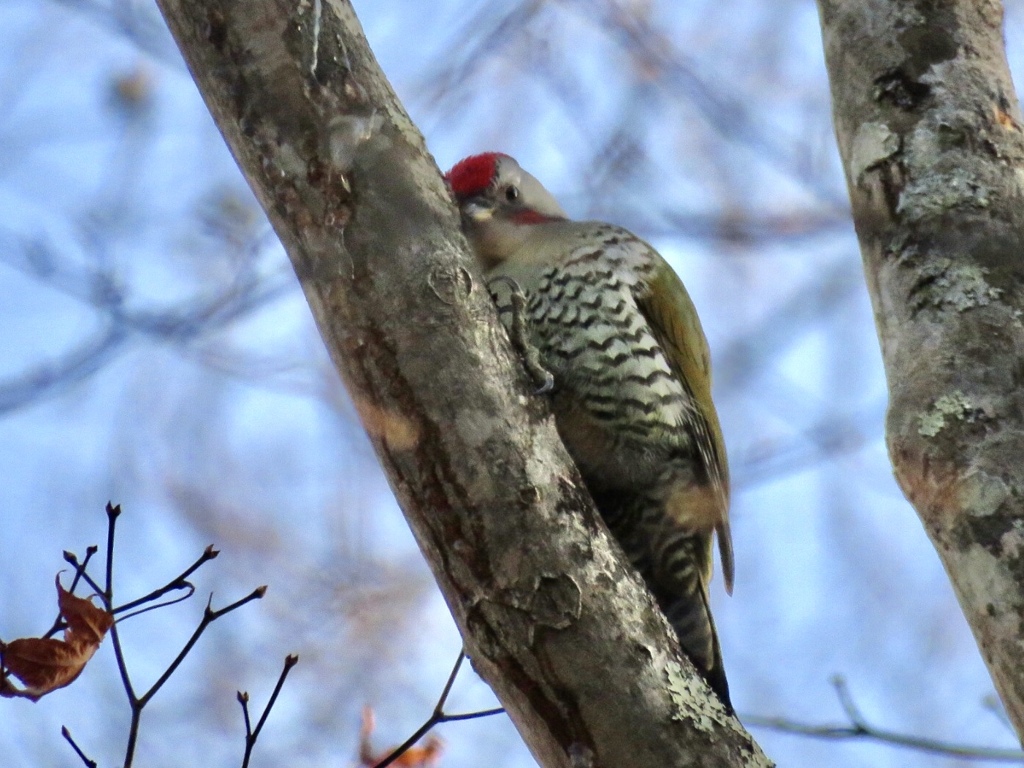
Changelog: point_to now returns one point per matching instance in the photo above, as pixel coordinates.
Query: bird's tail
(675, 563)
(690, 616)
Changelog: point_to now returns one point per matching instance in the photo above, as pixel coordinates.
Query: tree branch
(858, 727)
(552, 616)
(929, 130)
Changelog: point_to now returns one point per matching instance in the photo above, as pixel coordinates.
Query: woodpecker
(630, 382)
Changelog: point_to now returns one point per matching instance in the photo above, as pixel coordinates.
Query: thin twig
(94, 586)
(209, 616)
(72, 559)
(133, 608)
(289, 661)
(180, 599)
(107, 596)
(138, 703)
(178, 582)
(78, 750)
(471, 715)
(438, 716)
(439, 707)
(859, 728)
(113, 512)
(243, 699)
(251, 734)
(404, 747)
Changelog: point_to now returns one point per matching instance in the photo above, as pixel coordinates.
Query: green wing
(673, 319)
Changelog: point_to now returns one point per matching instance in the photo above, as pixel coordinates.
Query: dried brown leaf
(46, 664)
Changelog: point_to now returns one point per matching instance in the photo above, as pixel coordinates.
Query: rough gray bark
(551, 616)
(929, 130)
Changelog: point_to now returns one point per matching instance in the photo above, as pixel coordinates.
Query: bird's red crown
(473, 175)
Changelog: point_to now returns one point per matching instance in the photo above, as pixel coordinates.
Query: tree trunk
(552, 616)
(929, 131)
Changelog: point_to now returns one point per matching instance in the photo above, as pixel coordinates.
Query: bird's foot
(519, 334)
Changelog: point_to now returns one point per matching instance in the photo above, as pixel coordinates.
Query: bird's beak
(477, 210)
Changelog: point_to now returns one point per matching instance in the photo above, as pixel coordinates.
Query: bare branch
(251, 734)
(859, 728)
(88, 762)
(437, 716)
(179, 582)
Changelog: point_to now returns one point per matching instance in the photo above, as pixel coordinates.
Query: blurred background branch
(858, 727)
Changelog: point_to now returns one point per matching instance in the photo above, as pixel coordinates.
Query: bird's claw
(520, 335)
(548, 384)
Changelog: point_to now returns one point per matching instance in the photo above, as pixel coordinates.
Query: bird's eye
(511, 193)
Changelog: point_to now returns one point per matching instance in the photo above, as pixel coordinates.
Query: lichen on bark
(929, 130)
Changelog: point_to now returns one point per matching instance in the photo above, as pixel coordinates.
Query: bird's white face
(500, 204)
(523, 197)
(514, 195)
